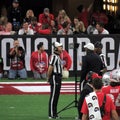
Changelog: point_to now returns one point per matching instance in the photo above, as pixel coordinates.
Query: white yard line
(31, 82)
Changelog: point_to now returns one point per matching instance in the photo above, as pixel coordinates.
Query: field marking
(35, 87)
(32, 82)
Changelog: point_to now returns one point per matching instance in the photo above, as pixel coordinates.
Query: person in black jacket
(1, 67)
(90, 62)
(98, 50)
(15, 15)
(17, 63)
(88, 88)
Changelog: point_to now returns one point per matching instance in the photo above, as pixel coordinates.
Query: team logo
(94, 98)
(96, 109)
(90, 105)
(91, 117)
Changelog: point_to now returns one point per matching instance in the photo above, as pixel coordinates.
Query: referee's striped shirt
(55, 61)
(102, 56)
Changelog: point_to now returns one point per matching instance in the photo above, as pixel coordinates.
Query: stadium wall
(111, 47)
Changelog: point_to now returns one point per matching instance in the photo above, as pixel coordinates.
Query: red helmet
(92, 75)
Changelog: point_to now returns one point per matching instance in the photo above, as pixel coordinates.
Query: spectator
(34, 25)
(82, 29)
(45, 30)
(1, 67)
(17, 65)
(84, 14)
(88, 88)
(113, 89)
(29, 16)
(98, 49)
(25, 30)
(91, 27)
(53, 27)
(100, 29)
(76, 25)
(46, 17)
(100, 16)
(62, 17)
(66, 62)
(65, 30)
(39, 62)
(97, 105)
(3, 22)
(90, 62)
(8, 30)
(15, 15)
(3, 12)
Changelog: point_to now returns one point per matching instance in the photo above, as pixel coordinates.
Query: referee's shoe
(54, 117)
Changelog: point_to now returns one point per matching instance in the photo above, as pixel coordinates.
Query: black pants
(55, 85)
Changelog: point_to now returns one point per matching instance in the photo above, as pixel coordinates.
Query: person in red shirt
(95, 100)
(100, 16)
(39, 62)
(46, 17)
(66, 60)
(113, 89)
(45, 30)
(66, 63)
(84, 14)
(36, 26)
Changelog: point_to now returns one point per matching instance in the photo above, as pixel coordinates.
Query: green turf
(31, 80)
(33, 107)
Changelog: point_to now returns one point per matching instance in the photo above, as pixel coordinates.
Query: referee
(54, 78)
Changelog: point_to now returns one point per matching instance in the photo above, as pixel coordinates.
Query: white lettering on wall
(111, 55)
(29, 43)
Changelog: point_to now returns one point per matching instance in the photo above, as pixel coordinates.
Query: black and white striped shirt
(102, 56)
(55, 61)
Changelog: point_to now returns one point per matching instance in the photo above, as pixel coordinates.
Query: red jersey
(45, 31)
(39, 62)
(83, 16)
(109, 105)
(36, 27)
(44, 19)
(100, 17)
(114, 93)
(66, 59)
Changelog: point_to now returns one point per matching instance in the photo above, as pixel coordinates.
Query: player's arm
(84, 117)
(114, 115)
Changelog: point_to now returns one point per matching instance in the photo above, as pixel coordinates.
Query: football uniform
(114, 93)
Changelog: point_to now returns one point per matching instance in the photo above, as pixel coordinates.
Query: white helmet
(65, 74)
(113, 76)
(106, 78)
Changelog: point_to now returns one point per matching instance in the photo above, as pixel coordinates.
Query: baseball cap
(89, 46)
(15, 1)
(92, 75)
(57, 44)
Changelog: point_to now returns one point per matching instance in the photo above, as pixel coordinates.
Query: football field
(31, 106)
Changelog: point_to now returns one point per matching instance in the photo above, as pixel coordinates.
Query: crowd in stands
(12, 22)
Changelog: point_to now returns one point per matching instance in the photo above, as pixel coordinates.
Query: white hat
(57, 44)
(89, 46)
